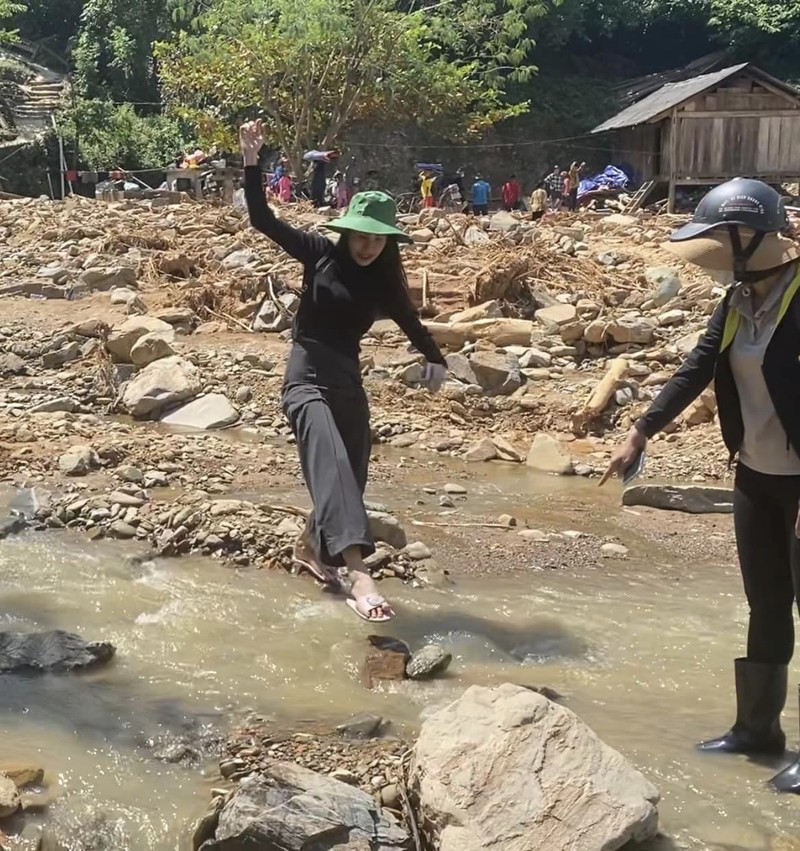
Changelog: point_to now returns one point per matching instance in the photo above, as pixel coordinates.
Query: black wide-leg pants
(328, 411)
(764, 512)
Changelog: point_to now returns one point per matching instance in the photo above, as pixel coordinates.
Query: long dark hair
(386, 270)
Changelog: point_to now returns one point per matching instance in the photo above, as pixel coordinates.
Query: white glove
(434, 376)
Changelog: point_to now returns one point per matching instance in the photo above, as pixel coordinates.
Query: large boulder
(50, 651)
(164, 383)
(506, 768)
(122, 339)
(208, 412)
(290, 808)
(498, 375)
(549, 455)
(693, 499)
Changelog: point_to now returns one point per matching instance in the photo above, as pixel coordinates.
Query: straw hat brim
(714, 251)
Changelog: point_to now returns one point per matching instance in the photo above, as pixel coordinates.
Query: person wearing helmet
(750, 350)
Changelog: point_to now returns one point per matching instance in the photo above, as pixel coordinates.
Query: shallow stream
(642, 650)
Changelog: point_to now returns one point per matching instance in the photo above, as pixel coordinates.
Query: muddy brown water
(641, 649)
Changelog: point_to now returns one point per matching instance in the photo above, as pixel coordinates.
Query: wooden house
(734, 122)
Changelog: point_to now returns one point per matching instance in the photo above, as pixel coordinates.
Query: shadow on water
(105, 712)
(542, 640)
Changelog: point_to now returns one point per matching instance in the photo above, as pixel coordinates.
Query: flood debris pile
(325, 792)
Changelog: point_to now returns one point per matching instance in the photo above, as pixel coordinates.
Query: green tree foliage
(314, 67)
(53, 21)
(113, 54)
(111, 135)
(8, 9)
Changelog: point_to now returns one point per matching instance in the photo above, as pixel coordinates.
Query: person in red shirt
(512, 192)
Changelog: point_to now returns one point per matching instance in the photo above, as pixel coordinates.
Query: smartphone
(634, 469)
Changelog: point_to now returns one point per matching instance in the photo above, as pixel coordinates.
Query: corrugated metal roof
(666, 98)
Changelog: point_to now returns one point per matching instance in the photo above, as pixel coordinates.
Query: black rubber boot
(760, 698)
(789, 779)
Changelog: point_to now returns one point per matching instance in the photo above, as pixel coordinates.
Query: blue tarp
(611, 179)
(429, 167)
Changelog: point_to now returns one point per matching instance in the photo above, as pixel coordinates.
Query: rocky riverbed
(141, 356)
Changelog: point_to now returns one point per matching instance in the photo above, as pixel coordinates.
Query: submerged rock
(50, 651)
(294, 809)
(531, 776)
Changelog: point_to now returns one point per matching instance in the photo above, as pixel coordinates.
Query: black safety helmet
(738, 203)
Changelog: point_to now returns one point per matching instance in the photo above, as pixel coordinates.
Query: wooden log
(602, 393)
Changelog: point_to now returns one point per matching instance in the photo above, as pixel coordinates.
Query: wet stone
(430, 661)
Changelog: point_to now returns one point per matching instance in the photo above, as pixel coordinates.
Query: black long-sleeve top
(340, 300)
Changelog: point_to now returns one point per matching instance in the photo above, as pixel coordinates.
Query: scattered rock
(9, 797)
(121, 340)
(667, 282)
(53, 406)
(162, 383)
(613, 551)
(692, 499)
(23, 774)
(150, 347)
(11, 525)
(455, 489)
(11, 364)
(548, 455)
(574, 790)
(555, 316)
(361, 727)
(78, 461)
(430, 661)
(632, 329)
(387, 528)
(298, 810)
(50, 651)
(459, 367)
(483, 450)
(498, 375)
(418, 551)
(207, 412)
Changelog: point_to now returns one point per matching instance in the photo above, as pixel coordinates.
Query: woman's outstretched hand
(251, 138)
(624, 455)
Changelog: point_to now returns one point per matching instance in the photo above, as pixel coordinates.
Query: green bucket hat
(371, 212)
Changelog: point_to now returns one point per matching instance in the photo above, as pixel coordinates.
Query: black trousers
(326, 405)
(764, 513)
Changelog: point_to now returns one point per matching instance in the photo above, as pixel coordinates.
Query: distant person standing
(318, 174)
(352, 178)
(512, 192)
(538, 202)
(481, 194)
(426, 190)
(566, 189)
(342, 195)
(574, 182)
(554, 184)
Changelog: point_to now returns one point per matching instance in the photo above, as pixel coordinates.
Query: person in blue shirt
(481, 193)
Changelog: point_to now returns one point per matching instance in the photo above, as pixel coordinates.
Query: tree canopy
(314, 67)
